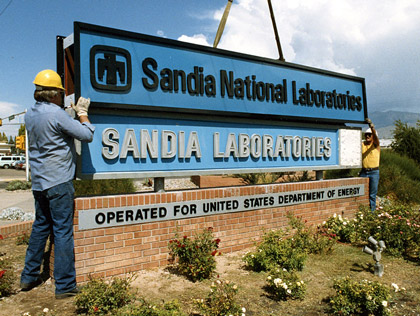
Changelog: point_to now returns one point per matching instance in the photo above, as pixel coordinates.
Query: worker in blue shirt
(52, 158)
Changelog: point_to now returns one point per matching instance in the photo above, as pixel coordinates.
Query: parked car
(14, 163)
(21, 164)
(6, 161)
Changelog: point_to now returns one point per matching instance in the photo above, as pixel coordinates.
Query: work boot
(29, 286)
(70, 293)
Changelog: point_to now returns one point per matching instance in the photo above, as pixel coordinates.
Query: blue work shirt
(51, 133)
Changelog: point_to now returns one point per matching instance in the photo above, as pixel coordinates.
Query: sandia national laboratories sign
(167, 108)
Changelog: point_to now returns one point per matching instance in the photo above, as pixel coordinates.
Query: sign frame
(80, 27)
(72, 72)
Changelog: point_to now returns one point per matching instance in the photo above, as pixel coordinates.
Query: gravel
(16, 214)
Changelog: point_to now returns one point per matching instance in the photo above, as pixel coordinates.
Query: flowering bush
(286, 285)
(310, 240)
(23, 239)
(396, 224)
(221, 300)
(144, 308)
(359, 298)
(196, 255)
(101, 297)
(341, 228)
(275, 251)
(6, 276)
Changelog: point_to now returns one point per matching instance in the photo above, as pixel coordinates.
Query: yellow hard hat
(48, 78)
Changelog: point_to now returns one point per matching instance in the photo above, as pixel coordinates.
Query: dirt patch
(160, 285)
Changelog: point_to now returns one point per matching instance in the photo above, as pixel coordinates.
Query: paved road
(21, 199)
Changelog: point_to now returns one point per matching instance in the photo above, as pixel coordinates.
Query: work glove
(369, 122)
(81, 107)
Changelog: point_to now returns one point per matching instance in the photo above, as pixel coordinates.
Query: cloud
(199, 39)
(161, 33)
(6, 110)
(376, 40)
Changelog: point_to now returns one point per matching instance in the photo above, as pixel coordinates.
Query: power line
(10, 2)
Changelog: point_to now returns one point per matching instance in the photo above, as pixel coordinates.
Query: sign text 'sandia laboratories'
(155, 147)
(123, 69)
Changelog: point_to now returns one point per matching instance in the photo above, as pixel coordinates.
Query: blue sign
(152, 147)
(119, 69)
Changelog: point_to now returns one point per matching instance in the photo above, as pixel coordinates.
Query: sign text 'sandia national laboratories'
(163, 107)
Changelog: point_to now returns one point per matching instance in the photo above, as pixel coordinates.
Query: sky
(375, 40)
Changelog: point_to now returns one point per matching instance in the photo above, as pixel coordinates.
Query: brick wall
(15, 229)
(118, 250)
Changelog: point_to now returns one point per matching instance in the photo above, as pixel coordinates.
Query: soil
(160, 285)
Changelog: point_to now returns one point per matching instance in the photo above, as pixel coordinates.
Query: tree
(21, 130)
(407, 140)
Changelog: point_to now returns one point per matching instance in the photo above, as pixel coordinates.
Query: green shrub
(309, 239)
(195, 255)
(144, 308)
(400, 177)
(275, 251)
(100, 297)
(407, 140)
(18, 185)
(221, 300)
(341, 173)
(285, 285)
(104, 187)
(359, 298)
(259, 178)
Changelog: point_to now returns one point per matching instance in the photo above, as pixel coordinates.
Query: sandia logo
(110, 68)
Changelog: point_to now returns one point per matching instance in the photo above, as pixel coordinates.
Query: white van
(6, 161)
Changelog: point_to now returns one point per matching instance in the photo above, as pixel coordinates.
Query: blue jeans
(373, 176)
(53, 214)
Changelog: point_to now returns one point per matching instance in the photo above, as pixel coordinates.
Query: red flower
(2, 272)
(214, 253)
(95, 309)
(185, 237)
(217, 240)
(1, 237)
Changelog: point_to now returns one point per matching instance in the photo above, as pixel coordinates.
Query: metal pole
(273, 20)
(26, 153)
(319, 174)
(159, 184)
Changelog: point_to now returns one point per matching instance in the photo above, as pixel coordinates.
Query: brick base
(115, 251)
(15, 229)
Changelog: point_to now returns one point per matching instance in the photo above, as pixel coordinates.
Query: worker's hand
(369, 122)
(82, 106)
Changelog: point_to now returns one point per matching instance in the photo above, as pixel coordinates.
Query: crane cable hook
(223, 23)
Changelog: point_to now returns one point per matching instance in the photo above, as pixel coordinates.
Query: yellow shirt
(370, 155)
